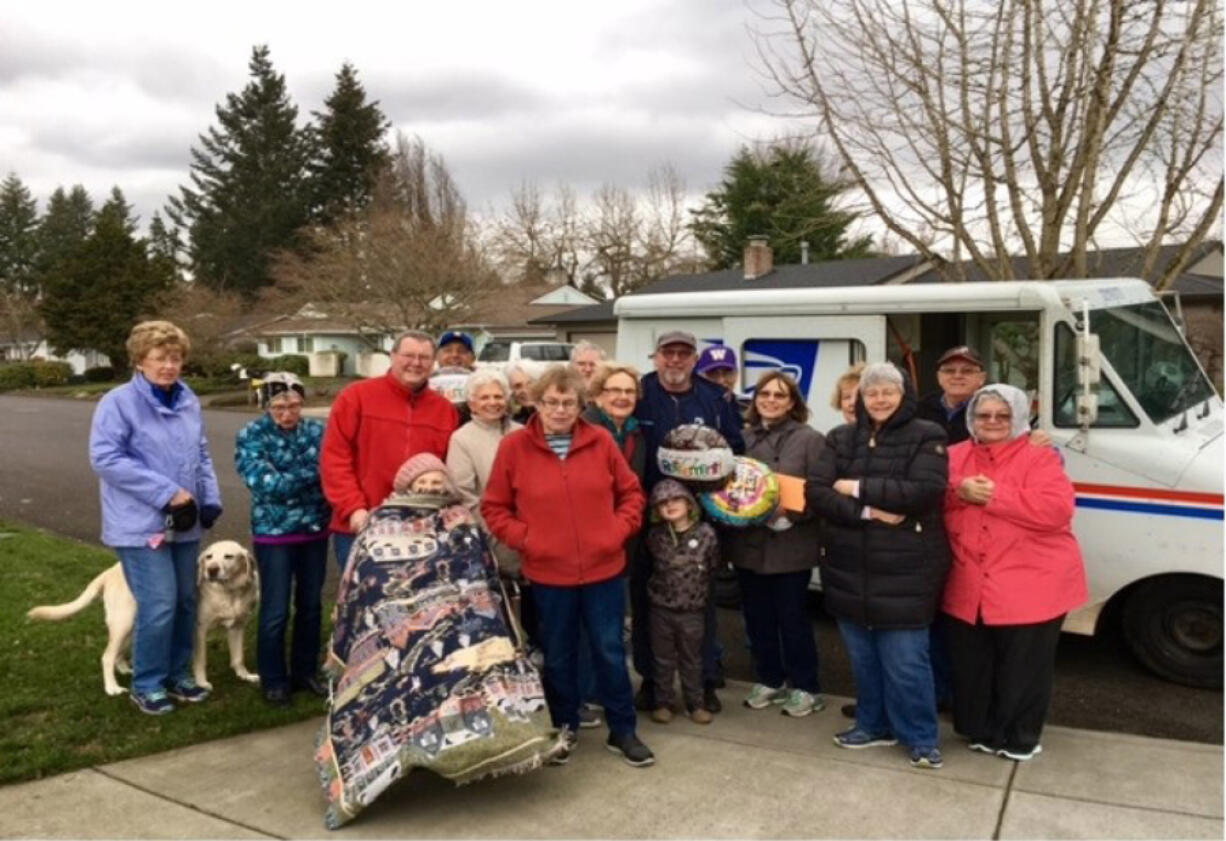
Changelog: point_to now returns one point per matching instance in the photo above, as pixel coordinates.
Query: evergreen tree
(249, 192)
(66, 224)
(351, 151)
(18, 236)
(165, 246)
(103, 287)
(782, 192)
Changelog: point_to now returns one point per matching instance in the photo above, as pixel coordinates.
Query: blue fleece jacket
(282, 470)
(143, 453)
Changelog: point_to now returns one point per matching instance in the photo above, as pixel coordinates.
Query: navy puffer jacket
(877, 575)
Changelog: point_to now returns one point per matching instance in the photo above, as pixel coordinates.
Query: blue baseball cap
(715, 357)
(456, 336)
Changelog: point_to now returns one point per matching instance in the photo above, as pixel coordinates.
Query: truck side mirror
(1089, 360)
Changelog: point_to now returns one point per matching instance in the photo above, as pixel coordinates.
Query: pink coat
(1015, 560)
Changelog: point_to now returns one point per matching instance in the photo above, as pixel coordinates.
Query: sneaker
(632, 750)
(848, 711)
(661, 715)
(982, 747)
(762, 696)
(926, 758)
(709, 699)
(1020, 755)
(701, 715)
(568, 741)
(277, 696)
(589, 716)
(187, 691)
(800, 703)
(855, 739)
(152, 703)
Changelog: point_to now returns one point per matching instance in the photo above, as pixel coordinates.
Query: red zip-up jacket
(568, 518)
(1016, 560)
(375, 425)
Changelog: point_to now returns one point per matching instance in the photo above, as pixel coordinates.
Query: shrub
(217, 365)
(51, 373)
(16, 375)
(101, 374)
(295, 363)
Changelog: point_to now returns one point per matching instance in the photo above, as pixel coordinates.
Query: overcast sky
(577, 91)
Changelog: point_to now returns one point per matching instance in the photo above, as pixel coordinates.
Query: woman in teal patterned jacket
(277, 457)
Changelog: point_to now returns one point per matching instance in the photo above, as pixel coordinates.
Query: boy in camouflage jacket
(684, 552)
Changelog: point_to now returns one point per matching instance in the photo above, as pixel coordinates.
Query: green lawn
(55, 713)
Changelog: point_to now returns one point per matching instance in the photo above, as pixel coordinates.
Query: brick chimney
(759, 259)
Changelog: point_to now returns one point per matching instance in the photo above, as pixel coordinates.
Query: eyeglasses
(552, 405)
(285, 408)
(620, 392)
(416, 357)
(959, 372)
(676, 353)
(774, 395)
(992, 417)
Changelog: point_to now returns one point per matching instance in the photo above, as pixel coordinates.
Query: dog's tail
(63, 611)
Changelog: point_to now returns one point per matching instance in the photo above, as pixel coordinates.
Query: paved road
(45, 480)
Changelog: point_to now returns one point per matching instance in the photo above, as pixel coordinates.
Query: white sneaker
(762, 696)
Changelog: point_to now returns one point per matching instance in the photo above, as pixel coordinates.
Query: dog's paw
(204, 684)
(243, 674)
(123, 667)
(115, 690)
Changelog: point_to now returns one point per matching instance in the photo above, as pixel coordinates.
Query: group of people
(941, 527)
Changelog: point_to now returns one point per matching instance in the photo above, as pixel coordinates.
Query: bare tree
(412, 260)
(983, 128)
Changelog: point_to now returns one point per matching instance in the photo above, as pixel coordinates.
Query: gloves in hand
(181, 517)
(209, 515)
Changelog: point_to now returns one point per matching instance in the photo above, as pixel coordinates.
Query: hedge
(101, 374)
(295, 363)
(37, 374)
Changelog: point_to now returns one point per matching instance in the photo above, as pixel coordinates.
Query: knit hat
(414, 467)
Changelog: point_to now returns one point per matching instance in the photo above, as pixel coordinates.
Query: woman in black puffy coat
(880, 485)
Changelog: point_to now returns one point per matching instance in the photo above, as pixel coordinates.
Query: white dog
(227, 592)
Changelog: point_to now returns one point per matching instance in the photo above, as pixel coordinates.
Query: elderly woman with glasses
(148, 448)
(277, 457)
(1017, 570)
(880, 484)
(561, 494)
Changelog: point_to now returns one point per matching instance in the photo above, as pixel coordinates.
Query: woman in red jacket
(561, 494)
(1017, 570)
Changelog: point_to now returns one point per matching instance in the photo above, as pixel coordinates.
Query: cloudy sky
(577, 91)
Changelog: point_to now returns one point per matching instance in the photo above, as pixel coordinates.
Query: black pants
(1002, 676)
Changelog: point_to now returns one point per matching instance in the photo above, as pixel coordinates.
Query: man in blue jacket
(673, 396)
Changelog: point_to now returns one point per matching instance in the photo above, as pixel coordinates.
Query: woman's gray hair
(483, 377)
(518, 367)
(584, 346)
(1012, 396)
(881, 373)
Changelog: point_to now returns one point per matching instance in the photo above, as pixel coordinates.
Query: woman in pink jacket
(1017, 570)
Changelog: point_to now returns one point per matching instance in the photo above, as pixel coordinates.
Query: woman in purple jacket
(158, 489)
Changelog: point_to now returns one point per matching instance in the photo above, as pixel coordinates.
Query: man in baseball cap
(455, 350)
(718, 364)
(959, 373)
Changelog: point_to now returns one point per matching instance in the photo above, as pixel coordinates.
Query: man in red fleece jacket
(374, 427)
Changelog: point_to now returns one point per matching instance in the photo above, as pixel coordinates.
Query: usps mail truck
(1137, 421)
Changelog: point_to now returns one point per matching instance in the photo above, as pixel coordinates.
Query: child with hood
(684, 553)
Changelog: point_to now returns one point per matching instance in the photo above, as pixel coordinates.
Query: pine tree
(781, 191)
(69, 220)
(165, 246)
(105, 286)
(18, 236)
(249, 192)
(351, 151)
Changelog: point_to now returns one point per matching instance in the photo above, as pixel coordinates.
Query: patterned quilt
(423, 669)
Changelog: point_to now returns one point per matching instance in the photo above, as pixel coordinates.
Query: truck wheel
(1174, 627)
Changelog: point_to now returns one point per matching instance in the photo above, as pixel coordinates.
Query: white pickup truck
(537, 355)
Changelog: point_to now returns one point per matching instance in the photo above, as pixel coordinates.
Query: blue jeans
(286, 567)
(894, 691)
(596, 609)
(779, 628)
(163, 581)
(342, 543)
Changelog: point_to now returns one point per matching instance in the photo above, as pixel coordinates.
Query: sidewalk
(751, 774)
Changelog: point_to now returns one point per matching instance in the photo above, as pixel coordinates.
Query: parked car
(538, 354)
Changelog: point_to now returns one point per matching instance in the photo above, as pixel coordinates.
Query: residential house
(30, 344)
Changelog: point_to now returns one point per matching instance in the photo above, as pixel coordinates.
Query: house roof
(862, 272)
(592, 313)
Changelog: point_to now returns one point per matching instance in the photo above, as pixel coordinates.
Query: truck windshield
(495, 352)
(1151, 357)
